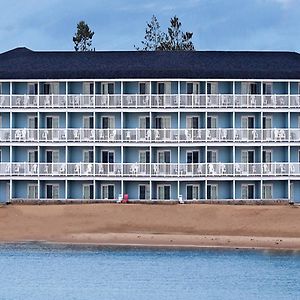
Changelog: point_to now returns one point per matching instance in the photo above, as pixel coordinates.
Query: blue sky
(119, 24)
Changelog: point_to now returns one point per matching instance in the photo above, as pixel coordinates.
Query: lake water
(41, 271)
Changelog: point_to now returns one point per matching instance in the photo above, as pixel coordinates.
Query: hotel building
(183, 126)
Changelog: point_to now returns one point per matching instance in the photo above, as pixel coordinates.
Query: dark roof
(23, 63)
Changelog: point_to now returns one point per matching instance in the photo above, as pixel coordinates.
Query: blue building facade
(196, 134)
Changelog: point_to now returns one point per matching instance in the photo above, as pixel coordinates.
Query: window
(192, 88)
(51, 88)
(108, 122)
(144, 191)
(249, 88)
(88, 191)
(267, 156)
(32, 88)
(144, 88)
(108, 157)
(52, 191)
(212, 191)
(108, 191)
(88, 88)
(144, 156)
(32, 156)
(192, 157)
(212, 156)
(32, 122)
(32, 191)
(267, 122)
(192, 122)
(52, 122)
(164, 156)
(163, 122)
(192, 192)
(164, 192)
(212, 122)
(108, 88)
(88, 122)
(247, 191)
(267, 191)
(88, 156)
(247, 156)
(212, 88)
(248, 122)
(52, 156)
(144, 122)
(268, 88)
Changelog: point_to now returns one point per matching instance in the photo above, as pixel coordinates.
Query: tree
(173, 39)
(83, 37)
(153, 35)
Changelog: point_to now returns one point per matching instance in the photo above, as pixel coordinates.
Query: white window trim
(30, 185)
(247, 185)
(87, 151)
(143, 117)
(107, 83)
(192, 151)
(214, 151)
(247, 151)
(216, 121)
(87, 118)
(107, 185)
(214, 86)
(108, 150)
(268, 151)
(111, 118)
(163, 185)
(164, 151)
(217, 190)
(196, 86)
(144, 151)
(88, 84)
(193, 185)
(164, 117)
(54, 185)
(52, 150)
(30, 151)
(29, 118)
(245, 117)
(191, 118)
(147, 187)
(264, 192)
(89, 185)
(53, 117)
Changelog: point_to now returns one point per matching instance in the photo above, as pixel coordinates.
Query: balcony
(129, 135)
(154, 170)
(135, 101)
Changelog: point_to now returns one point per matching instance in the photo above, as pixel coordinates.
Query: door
(52, 123)
(88, 191)
(192, 159)
(163, 123)
(192, 122)
(192, 88)
(32, 156)
(108, 159)
(144, 88)
(212, 124)
(88, 124)
(248, 124)
(247, 156)
(88, 156)
(32, 125)
(192, 192)
(108, 191)
(144, 160)
(248, 191)
(212, 191)
(52, 191)
(32, 88)
(212, 156)
(52, 156)
(212, 88)
(88, 88)
(107, 88)
(164, 192)
(32, 191)
(144, 123)
(267, 191)
(267, 127)
(108, 122)
(144, 191)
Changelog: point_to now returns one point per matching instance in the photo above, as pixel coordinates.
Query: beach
(188, 225)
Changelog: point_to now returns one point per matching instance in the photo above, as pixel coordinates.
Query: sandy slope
(184, 225)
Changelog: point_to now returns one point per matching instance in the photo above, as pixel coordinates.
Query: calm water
(35, 271)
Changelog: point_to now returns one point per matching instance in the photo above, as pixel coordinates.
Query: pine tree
(83, 37)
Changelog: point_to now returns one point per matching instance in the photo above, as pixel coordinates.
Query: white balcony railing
(150, 101)
(198, 170)
(137, 135)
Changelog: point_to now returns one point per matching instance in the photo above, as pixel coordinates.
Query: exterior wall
(179, 174)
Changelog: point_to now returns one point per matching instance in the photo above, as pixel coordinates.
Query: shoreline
(176, 226)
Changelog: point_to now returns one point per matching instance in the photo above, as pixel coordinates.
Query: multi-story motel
(152, 125)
